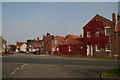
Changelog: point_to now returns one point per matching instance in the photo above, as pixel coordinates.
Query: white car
(27, 53)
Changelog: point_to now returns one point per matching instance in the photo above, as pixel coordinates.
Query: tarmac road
(22, 65)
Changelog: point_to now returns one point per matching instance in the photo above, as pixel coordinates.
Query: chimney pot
(114, 17)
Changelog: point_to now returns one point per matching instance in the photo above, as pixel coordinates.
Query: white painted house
(23, 47)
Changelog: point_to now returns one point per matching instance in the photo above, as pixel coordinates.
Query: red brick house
(71, 46)
(115, 38)
(34, 45)
(98, 39)
(46, 43)
(57, 40)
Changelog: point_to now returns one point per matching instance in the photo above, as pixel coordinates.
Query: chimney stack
(38, 38)
(81, 35)
(118, 17)
(114, 17)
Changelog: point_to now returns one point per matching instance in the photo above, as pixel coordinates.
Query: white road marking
(17, 69)
(24, 65)
(14, 71)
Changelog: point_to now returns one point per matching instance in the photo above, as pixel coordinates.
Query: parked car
(36, 52)
(27, 52)
(11, 52)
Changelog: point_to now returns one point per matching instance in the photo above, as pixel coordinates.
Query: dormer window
(107, 31)
(88, 34)
(66, 39)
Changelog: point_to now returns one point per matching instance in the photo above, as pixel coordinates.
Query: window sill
(97, 50)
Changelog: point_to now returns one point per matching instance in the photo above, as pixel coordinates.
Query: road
(22, 65)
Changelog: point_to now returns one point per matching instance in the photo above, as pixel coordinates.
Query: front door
(89, 50)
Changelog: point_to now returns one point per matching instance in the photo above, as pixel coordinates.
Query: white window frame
(105, 31)
(106, 47)
(96, 48)
(88, 34)
(53, 49)
(55, 41)
(57, 48)
(81, 47)
(69, 48)
(30, 45)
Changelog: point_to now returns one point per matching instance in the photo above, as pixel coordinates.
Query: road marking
(14, 71)
(24, 65)
(17, 69)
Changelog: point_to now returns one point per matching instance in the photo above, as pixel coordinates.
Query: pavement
(22, 65)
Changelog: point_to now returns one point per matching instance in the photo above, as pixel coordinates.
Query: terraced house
(34, 45)
(72, 45)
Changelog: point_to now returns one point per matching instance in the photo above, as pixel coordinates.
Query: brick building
(57, 40)
(115, 38)
(72, 45)
(100, 37)
(34, 45)
(46, 43)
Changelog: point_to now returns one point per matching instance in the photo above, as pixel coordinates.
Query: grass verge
(115, 72)
(86, 57)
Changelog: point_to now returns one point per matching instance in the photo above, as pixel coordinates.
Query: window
(88, 34)
(98, 47)
(81, 47)
(53, 49)
(97, 33)
(69, 48)
(57, 49)
(55, 41)
(108, 47)
(107, 31)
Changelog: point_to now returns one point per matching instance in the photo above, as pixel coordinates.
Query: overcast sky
(28, 20)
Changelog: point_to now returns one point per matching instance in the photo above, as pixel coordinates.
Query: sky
(28, 20)
(0, 18)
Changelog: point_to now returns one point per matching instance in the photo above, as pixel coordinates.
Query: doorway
(90, 50)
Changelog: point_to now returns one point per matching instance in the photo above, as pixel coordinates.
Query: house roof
(19, 43)
(35, 41)
(71, 42)
(60, 38)
(105, 21)
(74, 36)
(118, 26)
